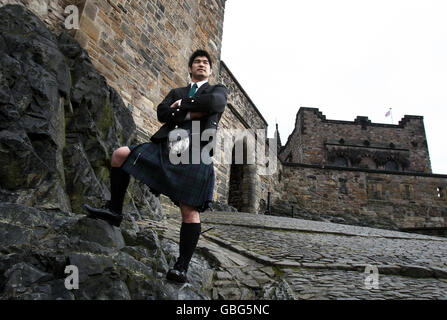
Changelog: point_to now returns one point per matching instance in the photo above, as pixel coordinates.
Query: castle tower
(359, 143)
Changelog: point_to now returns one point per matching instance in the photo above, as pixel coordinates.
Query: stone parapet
(403, 146)
(366, 197)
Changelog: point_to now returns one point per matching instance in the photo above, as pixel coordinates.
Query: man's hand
(198, 115)
(175, 104)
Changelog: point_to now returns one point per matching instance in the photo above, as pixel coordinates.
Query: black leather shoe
(104, 214)
(176, 275)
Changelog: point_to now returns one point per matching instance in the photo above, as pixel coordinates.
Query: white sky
(348, 58)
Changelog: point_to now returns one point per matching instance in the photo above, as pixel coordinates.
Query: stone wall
(272, 184)
(229, 120)
(143, 47)
(240, 102)
(240, 184)
(410, 200)
(359, 143)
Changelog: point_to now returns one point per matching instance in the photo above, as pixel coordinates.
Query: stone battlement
(359, 143)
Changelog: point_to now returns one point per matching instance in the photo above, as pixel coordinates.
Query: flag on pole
(388, 113)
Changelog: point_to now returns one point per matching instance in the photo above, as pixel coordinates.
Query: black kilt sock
(119, 181)
(189, 236)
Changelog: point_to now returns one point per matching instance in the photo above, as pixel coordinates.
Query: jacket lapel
(185, 90)
(202, 87)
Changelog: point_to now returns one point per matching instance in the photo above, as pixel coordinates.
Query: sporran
(178, 141)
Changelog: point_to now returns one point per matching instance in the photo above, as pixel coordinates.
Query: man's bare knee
(189, 214)
(119, 156)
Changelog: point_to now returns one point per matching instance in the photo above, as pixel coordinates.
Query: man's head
(200, 65)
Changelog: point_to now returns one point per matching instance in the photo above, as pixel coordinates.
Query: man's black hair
(200, 53)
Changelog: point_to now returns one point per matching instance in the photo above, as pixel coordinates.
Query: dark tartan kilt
(191, 184)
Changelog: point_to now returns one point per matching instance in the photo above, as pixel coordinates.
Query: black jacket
(208, 98)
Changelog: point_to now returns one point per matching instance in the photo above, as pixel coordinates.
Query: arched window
(391, 165)
(368, 163)
(340, 162)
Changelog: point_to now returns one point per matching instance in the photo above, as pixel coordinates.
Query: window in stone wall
(375, 191)
(406, 191)
(440, 193)
(367, 163)
(312, 182)
(340, 162)
(391, 165)
(289, 158)
(343, 188)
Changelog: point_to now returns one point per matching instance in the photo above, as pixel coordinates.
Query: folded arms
(207, 102)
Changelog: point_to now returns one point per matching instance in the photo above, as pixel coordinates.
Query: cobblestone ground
(318, 260)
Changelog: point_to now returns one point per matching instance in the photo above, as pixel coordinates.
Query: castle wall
(240, 185)
(241, 102)
(410, 200)
(315, 137)
(222, 170)
(245, 186)
(143, 47)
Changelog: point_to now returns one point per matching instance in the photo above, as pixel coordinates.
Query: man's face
(200, 69)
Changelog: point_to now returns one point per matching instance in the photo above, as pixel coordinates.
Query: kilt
(191, 184)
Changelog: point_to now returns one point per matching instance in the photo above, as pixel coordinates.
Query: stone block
(90, 28)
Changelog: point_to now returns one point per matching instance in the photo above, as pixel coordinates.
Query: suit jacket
(211, 99)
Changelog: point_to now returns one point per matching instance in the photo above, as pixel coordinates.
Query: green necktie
(193, 90)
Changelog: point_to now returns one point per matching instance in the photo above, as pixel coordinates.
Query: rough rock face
(59, 124)
(60, 121)
(36, 247)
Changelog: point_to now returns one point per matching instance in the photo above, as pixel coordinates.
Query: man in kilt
(188, 185)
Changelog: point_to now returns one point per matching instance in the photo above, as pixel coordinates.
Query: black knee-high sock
(119, 181)
(189, 236)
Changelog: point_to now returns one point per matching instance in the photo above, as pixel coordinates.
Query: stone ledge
(329, 167)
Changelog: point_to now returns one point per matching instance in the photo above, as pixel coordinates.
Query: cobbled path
(319, 260)
(328, 261)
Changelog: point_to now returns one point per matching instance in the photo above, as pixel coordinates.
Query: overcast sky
(348, 58)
